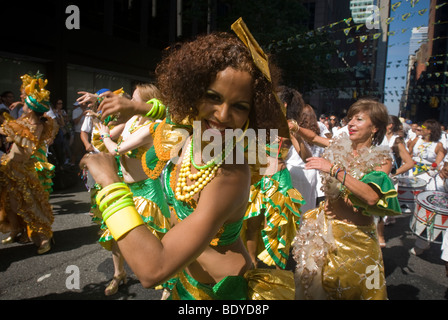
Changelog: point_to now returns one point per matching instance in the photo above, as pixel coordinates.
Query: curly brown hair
(188, 69)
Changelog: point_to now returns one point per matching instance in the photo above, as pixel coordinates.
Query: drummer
(428, 152)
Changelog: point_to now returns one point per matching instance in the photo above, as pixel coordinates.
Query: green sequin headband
(37, 106)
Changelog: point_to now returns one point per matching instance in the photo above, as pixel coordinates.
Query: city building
(426, 94)
(361, 54)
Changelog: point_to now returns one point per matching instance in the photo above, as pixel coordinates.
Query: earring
(246, 125)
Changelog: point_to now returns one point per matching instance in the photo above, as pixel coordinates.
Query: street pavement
(78, 268)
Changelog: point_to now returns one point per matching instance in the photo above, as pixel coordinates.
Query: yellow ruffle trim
(282, 216)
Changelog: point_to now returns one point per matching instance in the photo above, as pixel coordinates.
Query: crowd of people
(210, 180)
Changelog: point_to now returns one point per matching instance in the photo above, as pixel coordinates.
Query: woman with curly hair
(215, 82)
(25, 185)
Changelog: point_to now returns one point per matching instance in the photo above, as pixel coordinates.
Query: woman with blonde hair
(140, 172)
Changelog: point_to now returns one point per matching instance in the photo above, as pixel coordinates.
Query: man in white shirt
(78, 149)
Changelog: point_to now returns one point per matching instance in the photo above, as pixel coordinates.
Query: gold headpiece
(38, 98)
(260, 58)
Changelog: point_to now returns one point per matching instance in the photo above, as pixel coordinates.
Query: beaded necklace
(206, 173)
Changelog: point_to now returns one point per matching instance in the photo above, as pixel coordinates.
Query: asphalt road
(78, 268)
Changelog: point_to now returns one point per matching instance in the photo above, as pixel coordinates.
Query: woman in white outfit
(427, 153)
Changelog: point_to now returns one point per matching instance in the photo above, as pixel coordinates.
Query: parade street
(78, 268)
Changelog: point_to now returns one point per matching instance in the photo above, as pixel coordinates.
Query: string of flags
(345, 26)
(352, 35)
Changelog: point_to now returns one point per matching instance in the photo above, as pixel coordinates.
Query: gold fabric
(270, 284)
(262, 284)
(337, 260)
(260, 58)
(20, 181)
(167, 140)
(149, 210)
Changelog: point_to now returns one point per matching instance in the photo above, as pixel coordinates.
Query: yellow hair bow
(260, 58)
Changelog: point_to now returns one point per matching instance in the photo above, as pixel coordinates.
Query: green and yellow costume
(257, 284)
(275, 198)
(148, 194)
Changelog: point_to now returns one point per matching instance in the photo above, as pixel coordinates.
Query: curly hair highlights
(188, 69)
(378, 115)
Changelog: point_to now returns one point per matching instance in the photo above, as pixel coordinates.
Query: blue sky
(398, 50)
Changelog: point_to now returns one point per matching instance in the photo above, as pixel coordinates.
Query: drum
(430, 219)
(408, 190)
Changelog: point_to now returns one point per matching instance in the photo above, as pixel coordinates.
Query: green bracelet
(158, 109)
(113, 196)
(105, 191)
(117, 206)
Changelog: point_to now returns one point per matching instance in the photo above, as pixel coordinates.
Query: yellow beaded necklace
(206, 173)
(185, 192)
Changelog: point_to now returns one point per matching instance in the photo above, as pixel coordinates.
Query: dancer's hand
(318, 163)
(114, 104)
(90, 99)
(102, 166)
(102, 129)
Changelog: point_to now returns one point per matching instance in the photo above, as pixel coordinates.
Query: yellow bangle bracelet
(114, 197)
(117, 206)
(112, 187)
(123, 221)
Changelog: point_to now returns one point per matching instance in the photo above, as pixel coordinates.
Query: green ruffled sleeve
(388, 204)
